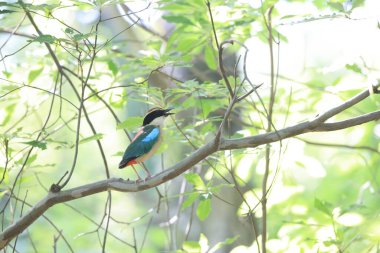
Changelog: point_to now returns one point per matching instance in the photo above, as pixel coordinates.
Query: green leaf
(42, 7)
(203, 242)
(188, 44)
(354, 67)
(219, 245)
(191, 247)
(9, 113)
(131, 123)
(195, 180)
(7, 74)
(323, 206)
(6, 11)
(6, 4)
(80, 36)
(33, 74)
(190, 200)
(357, 3)
(204, 209)
(91, 138)
(4, 174)
(113, 67)
(337, 6)
(68, 30)
(37, 144)
(44, 38)
(178, 19)
(210, 57)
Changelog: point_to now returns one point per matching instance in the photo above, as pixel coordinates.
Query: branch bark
(118, 184)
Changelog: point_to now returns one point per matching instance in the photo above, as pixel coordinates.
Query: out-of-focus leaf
(44, 38)
(190, 200)
(178, 19)
(9, 109)
(354, 67)
(33, 74)
(113, 67)
(337, 6)
(37, 144)
(4, 175)
(42, 7)
(188, 44)
(68, 30)
(203, 242)
(210, 58)
(204, 209)
(6, 4)
(219, 245)
(195, 180)
(323, 206)
(191, 247)
(6, 11)
(357, 3)
(31, 159)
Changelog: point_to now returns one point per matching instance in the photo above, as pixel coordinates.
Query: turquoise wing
(141, 145)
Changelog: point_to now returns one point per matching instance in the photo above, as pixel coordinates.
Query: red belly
(131, 162)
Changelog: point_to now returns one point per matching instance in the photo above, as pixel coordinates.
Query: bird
(147, 139)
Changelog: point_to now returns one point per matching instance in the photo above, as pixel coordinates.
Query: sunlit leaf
(6, 11)
(33, 74)
(354, 67)
(357, 3)
(210, 57)
(9, 109)
(337, 6)
(191, 198)
(79, 36)
(177, 19)
(195, 180)
(219, 245)
(37, 144)
(323, 206)
(91, 138)
(45, 38)
(113, 67)
(191, 246)
(69, 30)
(204, 209)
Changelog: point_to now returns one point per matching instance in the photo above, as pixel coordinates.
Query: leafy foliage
(67, 94)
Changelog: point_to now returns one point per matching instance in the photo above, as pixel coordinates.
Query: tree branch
(118, 184)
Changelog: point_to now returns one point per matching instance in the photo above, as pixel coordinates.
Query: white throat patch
(158, 121)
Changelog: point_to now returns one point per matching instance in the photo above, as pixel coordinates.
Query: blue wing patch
(152, 136)
(141, 145)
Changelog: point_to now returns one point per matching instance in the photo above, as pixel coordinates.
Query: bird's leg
(147, 171)
(138, 180)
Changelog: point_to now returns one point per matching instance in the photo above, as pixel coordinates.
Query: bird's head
(156, 116)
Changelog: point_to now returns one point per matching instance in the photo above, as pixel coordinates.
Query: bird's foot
(138, 181)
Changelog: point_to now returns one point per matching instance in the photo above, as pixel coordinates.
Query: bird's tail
(126, 162)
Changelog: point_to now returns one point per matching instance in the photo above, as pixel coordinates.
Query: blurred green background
(120, 58)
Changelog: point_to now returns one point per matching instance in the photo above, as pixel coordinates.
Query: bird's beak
(167, 112)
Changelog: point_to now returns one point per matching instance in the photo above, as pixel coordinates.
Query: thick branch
(128, 186)
(102, 186)
(301, 128)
